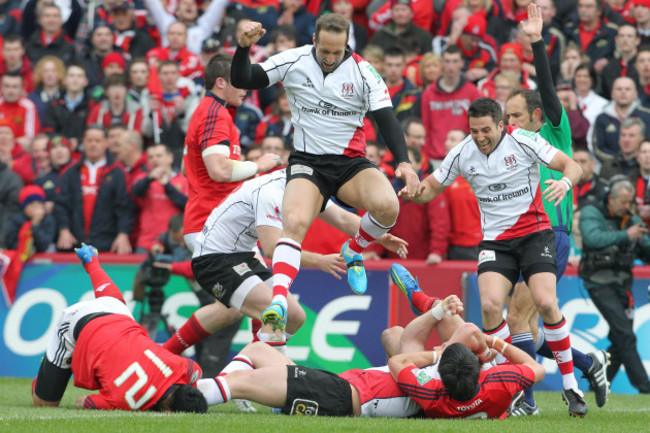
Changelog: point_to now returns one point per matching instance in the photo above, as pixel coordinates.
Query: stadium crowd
(90, 91)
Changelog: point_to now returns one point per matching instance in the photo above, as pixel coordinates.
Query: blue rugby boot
(356, 272)
(405, 282)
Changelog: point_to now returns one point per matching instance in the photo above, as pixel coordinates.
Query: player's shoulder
(266, 185)
(523, 135)
(291, 55)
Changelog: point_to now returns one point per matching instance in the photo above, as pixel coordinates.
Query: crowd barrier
(342, 330)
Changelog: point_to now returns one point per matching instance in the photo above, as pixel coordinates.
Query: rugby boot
(403, 279)
(597, 376)
(356, 272)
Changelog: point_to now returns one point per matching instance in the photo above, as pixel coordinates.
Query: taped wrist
(243, 170)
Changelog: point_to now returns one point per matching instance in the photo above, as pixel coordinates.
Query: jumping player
(330, 89)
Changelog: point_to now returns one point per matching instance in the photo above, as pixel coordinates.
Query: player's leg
(493, 290)
(301, 204)
(368, 189)
(521, 311)
(402, 278)
(102, 283)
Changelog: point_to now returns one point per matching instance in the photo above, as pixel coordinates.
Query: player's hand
(121, 244)
(394, 244)
(79, 404)
(556, 191)
(409, 176)
(636, 232)
(451, 305)
(433, 259)
(333, 264)
(252, 31)
(487, 356)
(267, 162)
(534, 24)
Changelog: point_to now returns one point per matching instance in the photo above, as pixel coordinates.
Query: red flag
(12, 262)
(156, 92)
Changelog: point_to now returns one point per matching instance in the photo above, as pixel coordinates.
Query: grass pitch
(622, 413)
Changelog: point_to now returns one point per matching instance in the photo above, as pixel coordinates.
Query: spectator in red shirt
(162, 193)
(35, 161)
(51, 39)
(593, 34)
(465, 219)
(42, 224)
(113, 135)
(18, 110)
(445, 103)
(116, 108)
(190, 65)
(15, 156)
(92, 204)
(511, 59)
(14, 60)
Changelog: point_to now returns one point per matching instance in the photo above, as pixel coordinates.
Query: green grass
(622, 414)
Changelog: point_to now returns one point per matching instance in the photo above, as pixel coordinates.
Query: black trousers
(612, 302)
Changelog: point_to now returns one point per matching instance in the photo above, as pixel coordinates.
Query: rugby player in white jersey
(503, 171)
(224, 262)
(330, 90)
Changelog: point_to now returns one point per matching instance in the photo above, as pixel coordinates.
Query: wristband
(438, 312)
(567, 182)
(487, 353)
(435, 357)
(243, 170)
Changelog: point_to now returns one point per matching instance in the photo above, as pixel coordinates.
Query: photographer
(613, 238)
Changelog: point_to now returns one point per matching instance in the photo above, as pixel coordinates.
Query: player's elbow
(218, 175)
(539, 371)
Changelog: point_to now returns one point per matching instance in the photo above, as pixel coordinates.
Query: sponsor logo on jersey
(241, 268)
(308, 83)
(496, 187)
(421, 376)
(487, 256)
(472, 171)
(274, 218)
(347, 90)
(470, 406)
(503, 197)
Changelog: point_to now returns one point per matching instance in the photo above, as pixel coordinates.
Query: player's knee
(385, 211)
(295, 225)
(491, 309)
(391, 335)
(548, 306)
(296, 318)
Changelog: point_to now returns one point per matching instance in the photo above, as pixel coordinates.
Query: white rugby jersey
(506, 182)
(232, 226)
(327, 110)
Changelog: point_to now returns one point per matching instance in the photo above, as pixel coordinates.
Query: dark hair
(13, 38)
(167, 63)
(186, 398)
(12, 75)
(533, 99)
(590, 69)
(482, 107)
(285, 30)
(408, 121)
(95, 127)
(118, 125)
(76, 64)
(459, 370)
(332, 23)
(452, 49)
(217, 67)
(115, 80)
(175, 222)
(630, 25)
(395, 51)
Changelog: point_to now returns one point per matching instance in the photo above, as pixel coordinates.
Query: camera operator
(613, 238)
(169, 256)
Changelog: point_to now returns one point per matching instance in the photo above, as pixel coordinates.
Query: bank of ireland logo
(347, 90)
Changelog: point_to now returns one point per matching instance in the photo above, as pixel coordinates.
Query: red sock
(422, 301)
(558, 340)
(369, 230)
(286, 263)
(188, 335)
(256, 325)
(102, 283)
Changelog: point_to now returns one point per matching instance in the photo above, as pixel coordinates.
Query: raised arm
(533, 28)
(243, 75)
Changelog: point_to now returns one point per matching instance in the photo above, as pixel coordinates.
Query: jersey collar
(212, 95)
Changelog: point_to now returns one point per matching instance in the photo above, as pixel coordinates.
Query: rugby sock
(369, 230)
(581, 360)
(102, 283)
(557, 337)
(526, 343)
(286, 263)
(423, 302)
(215, 390)
(503, 332)
(276, 341)
(239, 362)
(256, 325)
(188, 335)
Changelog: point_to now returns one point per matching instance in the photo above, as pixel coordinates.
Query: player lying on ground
(263, 375)
(107, 350)
(421, 303)
(224, 261)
